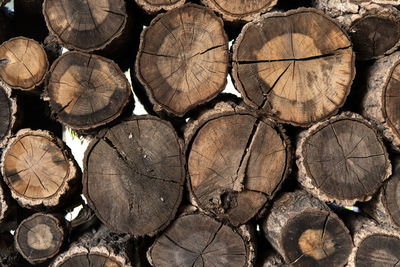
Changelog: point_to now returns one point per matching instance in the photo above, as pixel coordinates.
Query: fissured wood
(8, 109)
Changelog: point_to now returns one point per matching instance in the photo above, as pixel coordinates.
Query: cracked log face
(37, 168)
(23, 63)
(373, 36)
(240, 10)
(7, 112)
(391, 100)
(316, 239)
(183, 59)
(236, 179)
(391, 199)
(87, 91)
(85, 24)
(343, 159)
(301, 69)
(39, 237)
(141, 154)
(199, 240)
(378, 250)
(153, 6)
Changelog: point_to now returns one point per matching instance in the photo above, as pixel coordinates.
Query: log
(141, 154)
(239, 10)
(101, 248)
(9, 256)
(196, 239)
(374, 245)
(24, 63)
(85, 25)
(381, 98)
(384, 207)
(39, 170)
(374, 28)
(155, 6)
(39, 237)
(306, 232)
(301, 68)
(8, 111)
(342, 159)
(235, 180)
(86, 91)
(183, 59)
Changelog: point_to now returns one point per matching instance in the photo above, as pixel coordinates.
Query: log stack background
(299, 167)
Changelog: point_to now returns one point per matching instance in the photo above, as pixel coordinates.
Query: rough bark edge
(3, 205)
(59, 227)
(158, 107)
(72, 47)
(372, 103)
(307, 181)
(223, 109)
(13, 112)
(88, 151)
(78, 250)
(31, 88)
(129, 97)
(152, 9)
(238, 84)
(246, 232)
(238, 17)
(362, 230)
(73, 171)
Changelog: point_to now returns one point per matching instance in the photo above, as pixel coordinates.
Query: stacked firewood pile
(303, 169)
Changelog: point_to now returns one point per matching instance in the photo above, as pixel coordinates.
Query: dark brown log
(274, 260)
(154, 6)
(236, 179)
(8, 110)
(381, 100)
(101, 248)
(23, 63)
(39, 237)
(300, 69)
(240, 10)
(374, 27)
(9, 256)
(306, 232)
(342, 159)
(85, 25)
(29, 19)
(196, 239)
(38, 169)
(183, 59)
(374, 245)
(141, 154)
(87, 91)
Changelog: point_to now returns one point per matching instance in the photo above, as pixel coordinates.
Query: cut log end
(391, 99)
(342, 159)
(378, 250)
(235, 180)
(85, 25)
(290, 71)
(87, 91)
(154, 6)
(391, 199)
(39, 237)
(183, 58)
(23, 63)
(199, 240)
(239, 10)
(37, 168)
(141, 154)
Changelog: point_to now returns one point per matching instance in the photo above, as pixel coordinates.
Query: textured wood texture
(8, 110)
(87, 91)
(39, 237)
(38, 169)
(85, 25)
(183, 59)
(380, 103)
(24, 63)
(236, 180)
(300, 70)
(196, 239)
(240, 10)
(154, 6)
(342, 159)
(141, 154)
(306, 232)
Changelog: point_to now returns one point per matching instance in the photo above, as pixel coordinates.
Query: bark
(8, 114)
(155, 6)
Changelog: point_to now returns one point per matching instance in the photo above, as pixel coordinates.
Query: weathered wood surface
(154, 6)
(8, 113)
